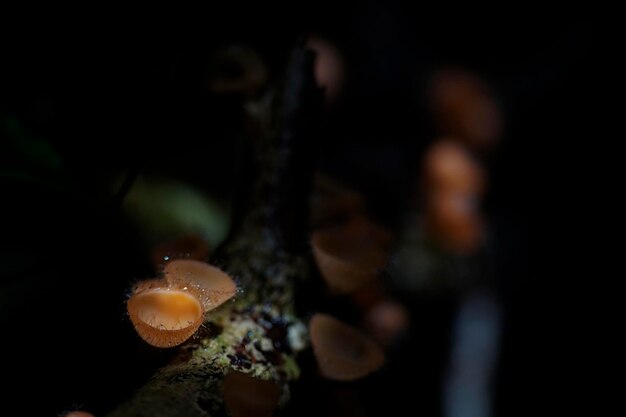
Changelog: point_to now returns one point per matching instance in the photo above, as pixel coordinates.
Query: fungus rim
(362, 357)
(342, 273)
(213, 286)
(160, 336)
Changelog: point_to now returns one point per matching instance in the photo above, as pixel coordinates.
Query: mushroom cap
(329, 66)
(246, 396)
(342, 352)
(348, 257)
(164, 316)
(465, 107)
(214, 286)
(387, 320)
(78, 414)
(184, 247)
(448, 166)
(453, 220)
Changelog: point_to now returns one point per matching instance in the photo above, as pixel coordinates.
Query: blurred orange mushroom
(464, 107)
(342, 352)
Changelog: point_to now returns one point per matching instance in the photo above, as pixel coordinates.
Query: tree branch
(259, 333)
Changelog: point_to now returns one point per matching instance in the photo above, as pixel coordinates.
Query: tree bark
(259, 332)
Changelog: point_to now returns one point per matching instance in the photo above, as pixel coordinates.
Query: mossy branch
(258, 333)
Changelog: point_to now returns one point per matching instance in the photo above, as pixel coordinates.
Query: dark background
(125, 96)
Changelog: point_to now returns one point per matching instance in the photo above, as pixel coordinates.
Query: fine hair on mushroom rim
(214, 286)
(165, 316)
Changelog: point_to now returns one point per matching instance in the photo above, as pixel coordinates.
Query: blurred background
(115, 136)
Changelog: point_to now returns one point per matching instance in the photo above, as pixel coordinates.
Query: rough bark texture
(258, 333)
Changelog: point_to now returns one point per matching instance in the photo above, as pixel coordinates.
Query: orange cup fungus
(453, 184)
(246, 396)
(386, 321)
(342, 352)
(448, 166)
(348, 257)
(166, 312)
(453, 220)
(213, 285)
(464, 107)
(329, 66)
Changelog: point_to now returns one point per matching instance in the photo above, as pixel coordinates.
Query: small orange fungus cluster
(329, 66)
(453, 185)
(351, 252)
(167, 311)
(351, 255)
(386, 321)
(465, 108)
(468, 115)
(342, 352)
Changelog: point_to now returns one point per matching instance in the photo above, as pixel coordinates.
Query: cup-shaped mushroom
(342, 352)
(164, 316)
(347, 259)
(386, 321)
(213, 285)
(184, 247)
(448, 166)
(246, 396)
(464, 107)
(329, 66)
(452, 220)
